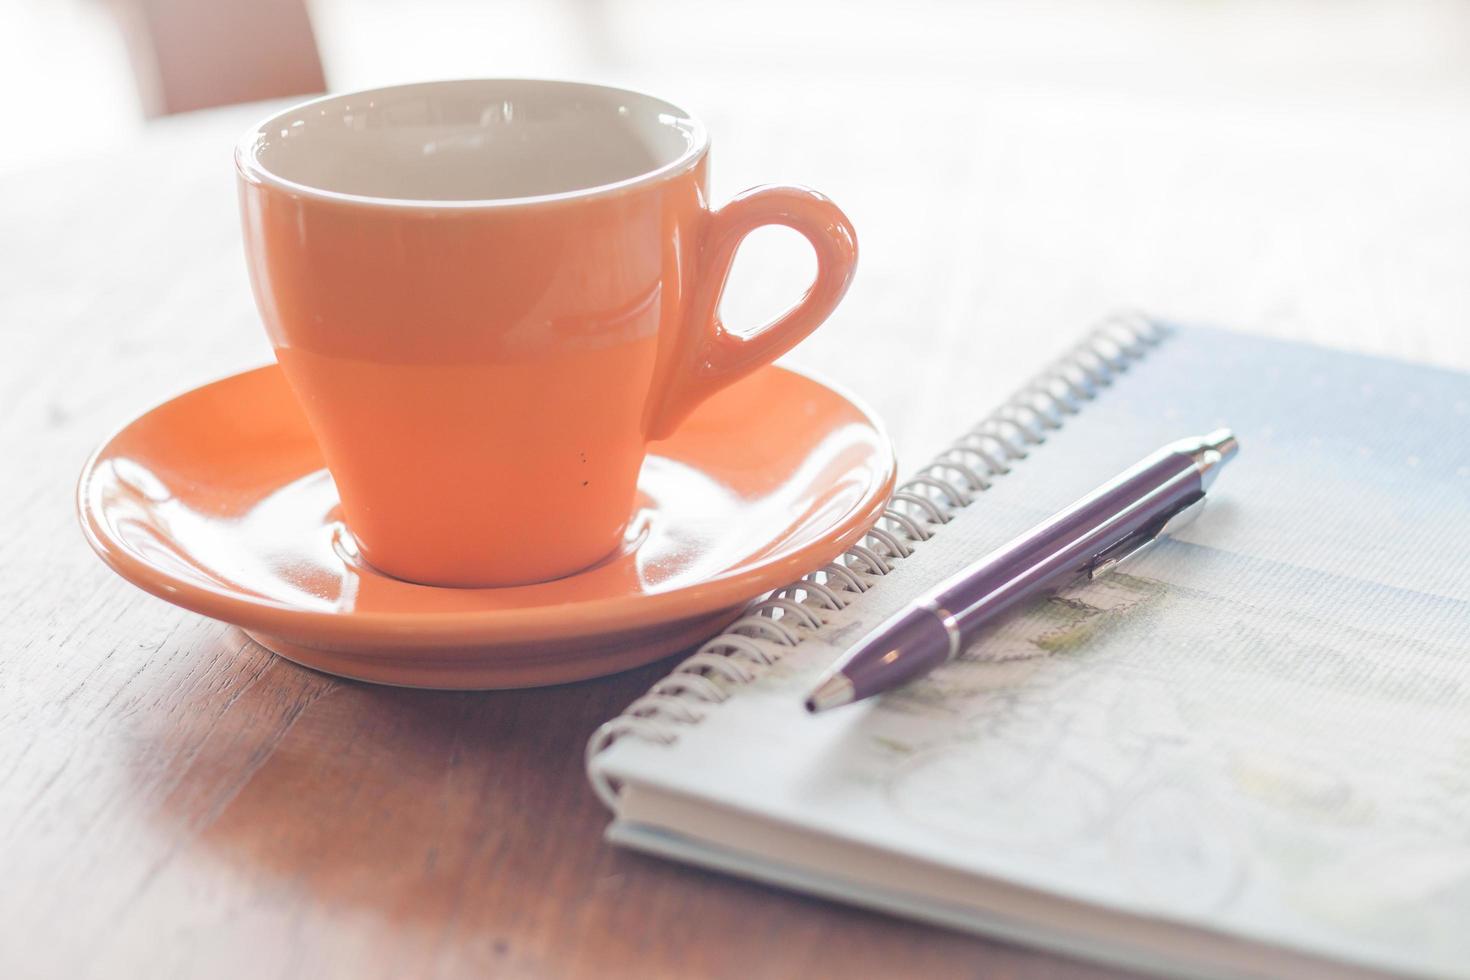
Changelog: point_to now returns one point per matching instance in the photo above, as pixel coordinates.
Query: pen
(1090, 538)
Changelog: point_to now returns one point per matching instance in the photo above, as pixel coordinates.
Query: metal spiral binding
(920, 505)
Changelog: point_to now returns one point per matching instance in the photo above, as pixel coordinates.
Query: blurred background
(1014, 169)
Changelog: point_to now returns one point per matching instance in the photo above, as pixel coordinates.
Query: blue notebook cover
(1249, 752)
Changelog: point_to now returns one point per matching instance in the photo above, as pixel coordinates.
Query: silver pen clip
(1130, 548)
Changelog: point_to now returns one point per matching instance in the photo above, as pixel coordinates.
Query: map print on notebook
(1249, 753)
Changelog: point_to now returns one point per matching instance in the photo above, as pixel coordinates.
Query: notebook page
(1262, 727)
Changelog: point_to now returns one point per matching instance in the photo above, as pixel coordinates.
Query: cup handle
(708, 357)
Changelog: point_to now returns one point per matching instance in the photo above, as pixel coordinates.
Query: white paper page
(1263, 727)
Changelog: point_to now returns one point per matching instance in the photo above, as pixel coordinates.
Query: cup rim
(250, 169)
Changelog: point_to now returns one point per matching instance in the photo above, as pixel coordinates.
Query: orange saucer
(217, 501)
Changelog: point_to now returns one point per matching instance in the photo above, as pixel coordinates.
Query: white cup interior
(480, 141)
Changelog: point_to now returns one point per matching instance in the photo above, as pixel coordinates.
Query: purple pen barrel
(1110, 522)
(1110, 519)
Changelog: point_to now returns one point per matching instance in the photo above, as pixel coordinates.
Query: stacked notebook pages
(1243, 756)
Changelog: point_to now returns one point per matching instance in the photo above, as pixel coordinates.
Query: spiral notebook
(1248, 755)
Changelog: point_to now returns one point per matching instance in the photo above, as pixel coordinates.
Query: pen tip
(832, 692)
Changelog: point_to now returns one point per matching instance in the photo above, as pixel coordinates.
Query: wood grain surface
(174, 802)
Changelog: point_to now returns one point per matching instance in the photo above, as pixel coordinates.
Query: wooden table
(174, 801)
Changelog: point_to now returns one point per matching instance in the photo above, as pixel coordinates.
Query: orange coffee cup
(489, 296)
